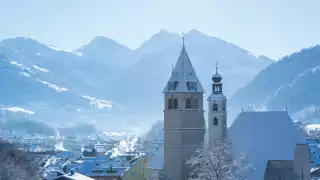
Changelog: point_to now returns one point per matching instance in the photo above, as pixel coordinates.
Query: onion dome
(216, 78)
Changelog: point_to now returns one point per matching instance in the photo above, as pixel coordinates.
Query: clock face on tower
(192, 86)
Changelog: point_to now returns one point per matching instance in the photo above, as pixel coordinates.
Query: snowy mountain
(27, 92)
(288, 83)
(141, 85)
(104, 81)
(107, 56)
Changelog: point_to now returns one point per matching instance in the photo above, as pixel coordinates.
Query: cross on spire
(182, 39)
(217, 67)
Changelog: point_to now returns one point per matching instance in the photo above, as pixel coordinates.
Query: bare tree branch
(15, 166)
(217, 163)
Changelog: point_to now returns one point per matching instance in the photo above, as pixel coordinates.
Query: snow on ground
(53, 47)
(57, 88)
(57, 49)
(76, 53)
(17, 109)
(117, 134)
(40, 69)
(99, 103)
(25, 74)
(21, 66)
(312, 127)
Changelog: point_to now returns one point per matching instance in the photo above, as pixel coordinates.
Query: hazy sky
(269, 27)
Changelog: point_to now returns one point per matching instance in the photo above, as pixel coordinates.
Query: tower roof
(216, 78)
(183, 77)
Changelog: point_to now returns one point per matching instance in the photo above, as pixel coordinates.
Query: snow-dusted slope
(290, 82)
(26, 92)
(264, 136)
(303, 91)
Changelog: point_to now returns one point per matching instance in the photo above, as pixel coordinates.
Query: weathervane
(182, 38)
(217, 67)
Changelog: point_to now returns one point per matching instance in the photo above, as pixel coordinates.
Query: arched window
(188, 103)
(215, 121)
(175, 103)
(215, 107)
(169, 103)
(194, 103)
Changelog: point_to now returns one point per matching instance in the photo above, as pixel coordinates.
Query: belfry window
(215, 121)
(188, 103)
(215, 107)
(191, 103)
(175, 103)
(194, 103)
(169, 103)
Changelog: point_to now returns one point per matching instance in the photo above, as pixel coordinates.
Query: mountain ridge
(131, 80)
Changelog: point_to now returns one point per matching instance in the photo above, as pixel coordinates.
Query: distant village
(100, 156)
(268, 144)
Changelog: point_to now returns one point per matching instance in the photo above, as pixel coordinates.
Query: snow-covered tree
(15, 166)
(155, 176)
(218, 164)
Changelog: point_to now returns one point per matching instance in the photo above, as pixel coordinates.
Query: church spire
(183, 77)
(216, 78)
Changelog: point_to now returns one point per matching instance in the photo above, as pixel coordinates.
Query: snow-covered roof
(157, 159)
(263, 136)
(88, 166)
(182, 74)
(214, 96)
(76, 176)
(64, 154)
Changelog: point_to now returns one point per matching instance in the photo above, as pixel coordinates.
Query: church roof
(182, 74)
(263, 136)
(157, 159)
(218, 97)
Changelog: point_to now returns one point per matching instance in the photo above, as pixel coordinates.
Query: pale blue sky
(269, 27)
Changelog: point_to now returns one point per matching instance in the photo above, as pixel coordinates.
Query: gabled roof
(263, 136)
(182, 73)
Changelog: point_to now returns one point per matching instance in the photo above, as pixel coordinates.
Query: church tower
(184, 124)
(217, 112)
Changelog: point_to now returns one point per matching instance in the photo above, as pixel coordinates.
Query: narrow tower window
(215, 121)
(169, 103)
(215, 107)
(224, 106)
(194, 103)
(188, 103)
(175, 103)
